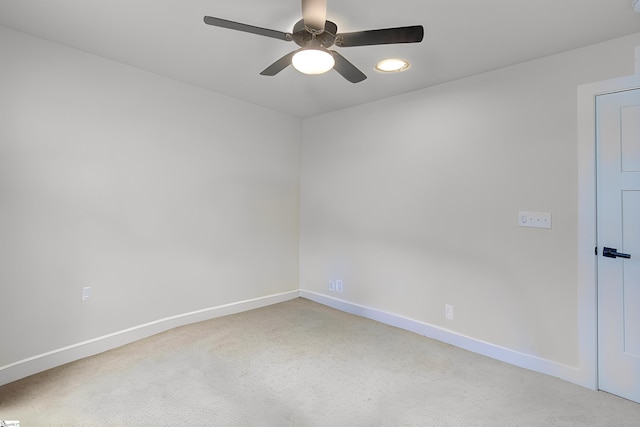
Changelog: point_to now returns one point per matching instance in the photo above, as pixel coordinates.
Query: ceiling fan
(314, 34)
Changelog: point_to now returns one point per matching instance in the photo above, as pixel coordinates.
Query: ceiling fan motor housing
(305, 38)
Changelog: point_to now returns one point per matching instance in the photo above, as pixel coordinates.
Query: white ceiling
(462, 38)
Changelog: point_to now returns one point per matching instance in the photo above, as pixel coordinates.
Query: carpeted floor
(300, 363)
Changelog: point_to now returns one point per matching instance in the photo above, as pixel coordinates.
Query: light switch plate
(534, 219)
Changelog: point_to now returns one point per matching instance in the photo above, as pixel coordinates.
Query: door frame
(587, 231)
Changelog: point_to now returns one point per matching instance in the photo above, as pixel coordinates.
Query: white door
(618, 219)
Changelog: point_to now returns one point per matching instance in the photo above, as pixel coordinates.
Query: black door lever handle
(613, 253)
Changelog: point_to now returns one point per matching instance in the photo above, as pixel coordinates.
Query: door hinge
(596, 251)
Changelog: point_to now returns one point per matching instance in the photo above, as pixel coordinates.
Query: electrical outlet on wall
(336, 285)
(448, 311)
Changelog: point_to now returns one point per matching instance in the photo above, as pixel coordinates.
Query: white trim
(503, 354)
(32, 365)
(587, 238)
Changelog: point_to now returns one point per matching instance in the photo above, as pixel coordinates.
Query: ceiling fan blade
(314, 14)
(347, 69)
(279, 65)
(218, 22)
(413, 34)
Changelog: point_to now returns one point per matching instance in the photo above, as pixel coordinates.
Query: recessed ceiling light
(392, 65)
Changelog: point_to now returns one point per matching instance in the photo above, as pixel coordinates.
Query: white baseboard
(527, 361)
(42, 362)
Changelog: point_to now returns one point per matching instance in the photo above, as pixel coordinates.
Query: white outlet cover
(448, 311)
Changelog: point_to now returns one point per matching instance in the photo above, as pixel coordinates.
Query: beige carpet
(300, 363)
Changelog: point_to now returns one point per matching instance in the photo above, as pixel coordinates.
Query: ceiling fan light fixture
(313, 60)
(393, 65)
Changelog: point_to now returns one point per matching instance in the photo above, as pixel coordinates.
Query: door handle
(613, 253)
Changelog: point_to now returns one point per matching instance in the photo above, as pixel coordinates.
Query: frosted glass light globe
(313, 60)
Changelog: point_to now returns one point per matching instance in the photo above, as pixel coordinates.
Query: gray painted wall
(164, 198)
(413, 202)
